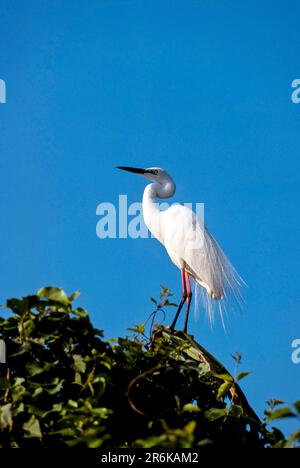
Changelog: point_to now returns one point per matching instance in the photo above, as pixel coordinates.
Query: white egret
(189, 244)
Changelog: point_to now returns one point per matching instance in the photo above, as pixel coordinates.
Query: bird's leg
(183, 299)
(188, 302)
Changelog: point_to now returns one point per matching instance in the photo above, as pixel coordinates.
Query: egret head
(155, 174)
(164, 184)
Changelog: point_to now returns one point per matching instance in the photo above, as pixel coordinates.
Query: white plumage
(189, 244)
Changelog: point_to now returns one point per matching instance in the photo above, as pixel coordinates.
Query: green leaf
(103, 413)
(190, 427)
(66, 432)
(282, 413)
(165, 292)
(54, 386)
(170, 304)
(215, 413)
(295, 437)
(38, 391)
(226, 377)
(236, 411)
(34, 368)
(20, 307)
(224, 390)
(32, 428)
(54, 294)
(73, 404)
(140, 329)
(79, 364)
(80, 312)
(6, 420)
(95, 443)
(24, 348)
(297, 406)
(205, 443)
(274, 403)
(4, 383)
(78, 379)
(191, 407)
(243, 375)
(74, 296)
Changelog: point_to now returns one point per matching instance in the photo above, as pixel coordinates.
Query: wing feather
(187, 239)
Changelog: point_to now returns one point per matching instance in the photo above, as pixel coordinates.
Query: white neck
(151, 211)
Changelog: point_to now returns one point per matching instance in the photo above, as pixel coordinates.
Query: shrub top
(65, 386)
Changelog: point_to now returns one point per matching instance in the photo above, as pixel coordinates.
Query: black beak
(132, 169)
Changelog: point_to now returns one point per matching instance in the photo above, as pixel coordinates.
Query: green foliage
(65, 386)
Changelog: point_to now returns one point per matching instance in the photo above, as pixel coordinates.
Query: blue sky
(202, 88)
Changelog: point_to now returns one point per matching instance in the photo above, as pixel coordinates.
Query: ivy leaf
(6, 420)
(74, 296)
(79, 364)
(80, 312)
(223, 390)
(215, 413)
(297, 406)
(66, 386)
(226, 377)
(274, 403)
(191, 407)
(139, 329)
(236, 411)
(243, 375)
(282, 413)
(4, 383)
(170, 304)
(19, 307)
(32, 428)
(295, 437)
(54, 294)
